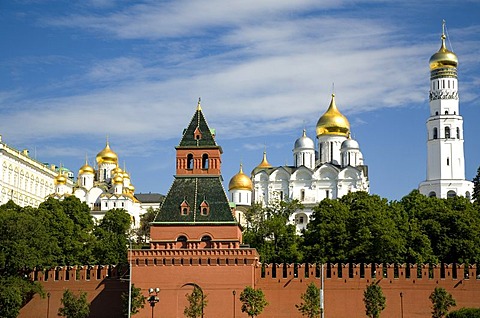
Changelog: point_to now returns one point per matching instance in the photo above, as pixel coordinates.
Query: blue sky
(71, 74)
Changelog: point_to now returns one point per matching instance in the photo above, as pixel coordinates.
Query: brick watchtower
(195, 238)
(196, 213)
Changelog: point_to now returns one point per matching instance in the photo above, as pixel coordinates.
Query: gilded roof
(333, 122)
(240, 181)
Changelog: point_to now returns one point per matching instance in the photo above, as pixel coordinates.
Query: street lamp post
(401, 303)
(48, 305)
(153, 297)
(234, 293)
(130, 280)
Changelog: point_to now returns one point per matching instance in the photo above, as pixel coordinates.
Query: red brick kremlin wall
(220, 273)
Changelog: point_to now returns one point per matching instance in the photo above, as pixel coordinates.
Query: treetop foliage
(364, 228)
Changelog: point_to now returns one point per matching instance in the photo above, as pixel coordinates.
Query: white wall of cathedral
(104, 172)
(351, 157)
(305, 157)
(241, 197)
(329, 148)
(306, 186)
(86, 180)
(24, 180)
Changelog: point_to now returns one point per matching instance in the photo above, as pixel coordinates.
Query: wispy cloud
(263, 67)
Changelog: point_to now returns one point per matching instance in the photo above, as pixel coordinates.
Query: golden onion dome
(107, 155)
(118, 179)
(131, 188)
(333, 122)
(86, 169)
(126, 175)
(264, 163)
(444, 57)
(240, 181)
(117, 170)
(60, 179)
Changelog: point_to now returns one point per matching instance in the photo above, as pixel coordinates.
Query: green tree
(137, 301)
(112, 237)
(15, 292)
(374, 300)
(74, 306)
(70, 224)
(197, 301)
(465, 313)
(310, 306)
(441, 302)
(327, 235)
(476, 186)
(253, 301)
(25, 240)
(143, 231)
(270, 232)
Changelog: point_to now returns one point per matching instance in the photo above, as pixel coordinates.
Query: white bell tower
(445, 155)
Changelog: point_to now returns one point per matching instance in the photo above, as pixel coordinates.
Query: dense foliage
(57, 233)
(361, 227)
(465, 313)
(271, 234)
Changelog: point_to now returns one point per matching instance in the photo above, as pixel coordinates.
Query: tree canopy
(441, 302)
(74, 306)
(374, 300)
(253, 301)
(310, 305)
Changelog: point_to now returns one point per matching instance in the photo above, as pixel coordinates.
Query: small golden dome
(118, 179)
(126, 175)
(131, 188)
(60, 179)
(107, 156)
(333, 122)
(264, 163)
(86, 169)
(117, 170)
(444, 57)
(240, 181)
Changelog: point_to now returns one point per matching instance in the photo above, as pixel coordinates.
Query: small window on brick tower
(204, 208)
(184, 208)
(198, 134)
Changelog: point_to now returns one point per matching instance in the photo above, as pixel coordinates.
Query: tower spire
(199, 107)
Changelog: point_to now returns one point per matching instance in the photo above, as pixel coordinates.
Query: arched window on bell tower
(190, 161)
(447, 132)
(435, 133)
(205, 161)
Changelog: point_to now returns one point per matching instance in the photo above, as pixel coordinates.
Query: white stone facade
(24, 180)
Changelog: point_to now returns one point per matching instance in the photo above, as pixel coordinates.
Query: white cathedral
(335, 169)
(445, 156)
(102, 189)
